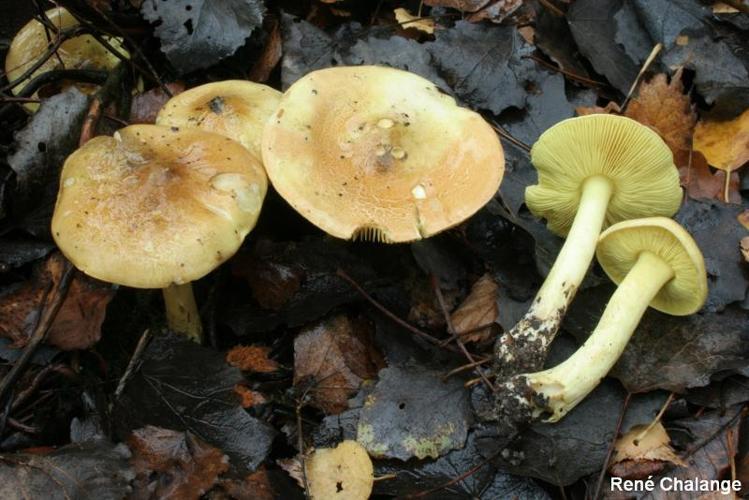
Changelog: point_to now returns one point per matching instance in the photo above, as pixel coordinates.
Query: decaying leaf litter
(311, 341)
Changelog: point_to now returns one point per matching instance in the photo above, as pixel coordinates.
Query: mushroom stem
(554, 392)
(182, 311)
(524, 347)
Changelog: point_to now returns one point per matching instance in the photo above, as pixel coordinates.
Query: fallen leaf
(171, 464)
(252, 358)
(664, 107)
(745, 247)
(412, 412)
(341, 472)
(743, 218)
(334, 357)
(77, 324)
(183, 386)
(478, 309)
(611, 108)
(408, 20)
(205, 33)
(700, 182)
(724, 144)
(497, 11)
(248, 397)
(264, 484)
(145, 106)
(461, 5)
(644, 450)
(270, 56)
(95, 469)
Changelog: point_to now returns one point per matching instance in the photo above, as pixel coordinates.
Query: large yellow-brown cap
(633, 157)
(80, 52)
(235, 108)
(152, 206)
(621, 244)
(378, 153)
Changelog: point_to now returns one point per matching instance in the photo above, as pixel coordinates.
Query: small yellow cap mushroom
(378, 153)
(344, 472)
(80, 52)
(237, 109)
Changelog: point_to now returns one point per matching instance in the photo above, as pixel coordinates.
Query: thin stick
(653, 54)
(568, 74)
(618, 428)
(342, 274)
(131, 365)
(506, 135)
(658, 417)
(39, 335)
(465, 367)
(727, 185)
(451, 330)
(466, 332)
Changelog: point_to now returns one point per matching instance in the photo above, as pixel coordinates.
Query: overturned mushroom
(593, 171)
(78, 52)
(156, 208)
(237, 109)
(655, 262)
(380, 154)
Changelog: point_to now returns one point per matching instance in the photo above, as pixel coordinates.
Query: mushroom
(593, 171)
(78, 52)
(655, 262)
(379, 154)
(153, 207)
(237, 109)
(344, 472)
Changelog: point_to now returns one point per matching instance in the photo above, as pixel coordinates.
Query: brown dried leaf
(612, 108)
(408, 20)
(273, 284)
(251, 358)
(724, 144)
(664, 107)
(478, 309)
(255, 486)
(744, 244)
(700, 182)
(171, 464)
(743, 218)
(496, 11)
(248, 397)
(78, 322)
(146, 106)
(334, 357)
(270, 56)
(461, 5)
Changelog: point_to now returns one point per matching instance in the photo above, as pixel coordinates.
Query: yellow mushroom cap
(621, 244)
(344, 472)
(633, 157)
(80, 52)
(378, 153)
(237, 109)
(152, 206)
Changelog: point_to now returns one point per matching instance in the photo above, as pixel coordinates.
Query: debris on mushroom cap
(633, 157)
(620, 246)
(343, 472)
(378, 153)
(152, 206)
(80, 52)
(237, 109)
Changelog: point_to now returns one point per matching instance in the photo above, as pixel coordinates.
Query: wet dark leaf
(721, 394)
(171, 464)
(196, 34)
(333, 358)
(484, 64)
(15, 253)
(94, 470)
(78, 322)
(41, 148)
(183, 386)
(413, 413)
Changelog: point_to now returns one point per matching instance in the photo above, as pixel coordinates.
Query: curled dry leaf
(724, 144)
(334, 357)
(341, 472)
(701, 182)
(252, 358)
(643, 451)
(78, 322)
(171, 464)
(610, 108)
(478, 309)
(408, 20)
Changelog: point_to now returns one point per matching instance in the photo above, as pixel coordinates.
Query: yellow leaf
(408, 20)
(724, 144)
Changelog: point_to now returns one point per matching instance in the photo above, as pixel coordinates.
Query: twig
(618, 428)
(101, 99)
(451, 330)
(341, 274)
(506, 135)
(653, 54)
(465, 367)
(140, 347)
(657, 417)
(466, 332)
(37, 381)
(568, 74)
(39, 335)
